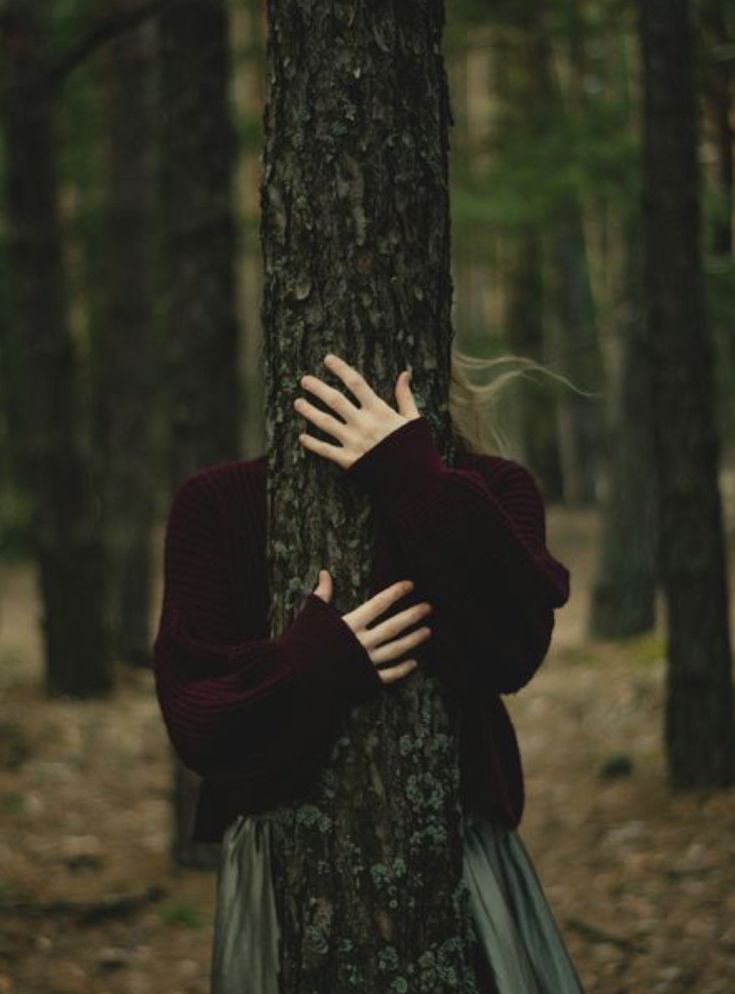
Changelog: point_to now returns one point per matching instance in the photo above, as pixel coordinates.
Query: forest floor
(640, 879)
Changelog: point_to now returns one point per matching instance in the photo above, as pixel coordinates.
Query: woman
(246, 711)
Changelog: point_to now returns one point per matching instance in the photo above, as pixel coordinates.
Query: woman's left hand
(360, 428)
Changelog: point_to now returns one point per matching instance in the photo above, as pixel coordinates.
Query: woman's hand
(381, 642)
(360, 428)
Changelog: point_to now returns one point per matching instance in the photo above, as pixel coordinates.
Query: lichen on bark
(355, 231)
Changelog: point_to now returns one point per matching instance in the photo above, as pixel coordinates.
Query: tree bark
(355, 229)
(126, 370)
(699, 728)
(201, 350)
(68, 546)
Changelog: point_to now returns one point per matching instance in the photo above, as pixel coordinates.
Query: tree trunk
(525, 335)
(718, 101)
(527, 101)
(581, 420)
(581, 431)
(355, 228)
(197, 157)
(700, 733)
(56, 467)
(623, 600)
(126, 367)
(201, 376)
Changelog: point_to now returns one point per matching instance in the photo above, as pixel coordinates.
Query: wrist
(400, 466)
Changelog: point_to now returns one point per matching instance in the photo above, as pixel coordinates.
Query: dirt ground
(641, 880)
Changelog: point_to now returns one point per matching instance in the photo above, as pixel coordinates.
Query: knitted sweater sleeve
(243, 707)
(475, 538)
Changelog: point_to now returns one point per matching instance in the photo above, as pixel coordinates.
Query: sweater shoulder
(502, 473)
(225, 485)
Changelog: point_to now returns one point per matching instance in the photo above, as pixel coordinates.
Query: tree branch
(98, 35)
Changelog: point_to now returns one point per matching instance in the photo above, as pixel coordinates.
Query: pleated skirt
(520, 950)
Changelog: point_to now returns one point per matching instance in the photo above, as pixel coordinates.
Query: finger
(332, 397)
(379, 603)
(328, 423)
(392, 650)
(392, 673)
(354, 381)
(404, 398)
(394, 625)
(324, 588)
(334, 452)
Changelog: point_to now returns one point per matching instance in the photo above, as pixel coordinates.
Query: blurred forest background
(130, 355)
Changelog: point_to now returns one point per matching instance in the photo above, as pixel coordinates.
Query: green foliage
(13, 803)
(616, 766)
(182, 914)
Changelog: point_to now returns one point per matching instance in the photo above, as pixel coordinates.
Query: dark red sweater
(254, 716)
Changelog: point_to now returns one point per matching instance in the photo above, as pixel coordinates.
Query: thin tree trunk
(202, 365)
(525, 335)
(700, 733)
(581, 431)
(355, 227)
(624, 595)
(718, 97)
(126, 368)
(581, 420)
(527, 99)
(68, 547)
(197, 157)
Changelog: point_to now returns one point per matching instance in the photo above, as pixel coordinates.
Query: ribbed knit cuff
(401, 466)
(328, 652)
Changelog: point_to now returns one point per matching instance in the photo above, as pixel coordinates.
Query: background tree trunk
(197, 149)
(718, 101)
(355, 227)
(623, 599)
(527, 101)
(524, 321)
(700, 737)
(580, 419)
(66, 533)
(197, 155)
(127, 361)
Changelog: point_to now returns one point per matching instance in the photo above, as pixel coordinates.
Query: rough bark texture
(197, 148)
(700, 738)
(56, 467)
(126, 366)
(355, 228)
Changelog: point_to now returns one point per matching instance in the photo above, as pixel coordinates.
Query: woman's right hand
(381, 642)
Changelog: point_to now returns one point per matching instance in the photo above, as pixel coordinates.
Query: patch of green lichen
(311, 816)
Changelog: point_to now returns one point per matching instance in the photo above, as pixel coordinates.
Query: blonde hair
(473, 407)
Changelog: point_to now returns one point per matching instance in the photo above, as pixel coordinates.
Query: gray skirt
(522, 949)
